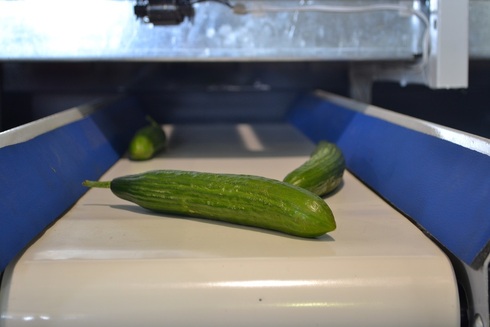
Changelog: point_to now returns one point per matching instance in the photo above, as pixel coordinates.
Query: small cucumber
(322, 172)
(147, 141)
(241, 199)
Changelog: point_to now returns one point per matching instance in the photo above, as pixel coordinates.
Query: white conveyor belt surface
(108, 262)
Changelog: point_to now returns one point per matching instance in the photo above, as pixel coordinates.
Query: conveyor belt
(108, 262)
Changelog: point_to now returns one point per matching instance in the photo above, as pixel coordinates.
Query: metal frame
(448, 62)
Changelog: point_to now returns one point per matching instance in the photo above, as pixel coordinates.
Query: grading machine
(246, 87)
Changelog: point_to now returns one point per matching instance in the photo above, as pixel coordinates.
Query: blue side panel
(41, 178)
(444, 187)
(320, 119)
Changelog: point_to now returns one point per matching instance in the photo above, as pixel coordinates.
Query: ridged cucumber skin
(147, 142)
(322, 172)
(240, 199)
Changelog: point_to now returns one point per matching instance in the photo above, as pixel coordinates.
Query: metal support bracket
(446, 65)
(448, 60)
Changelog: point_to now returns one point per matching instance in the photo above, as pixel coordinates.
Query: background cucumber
(240, 199)
(147, 141)
(323, 171)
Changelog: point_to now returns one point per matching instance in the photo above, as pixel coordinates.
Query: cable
(241, 9)
(223, 2)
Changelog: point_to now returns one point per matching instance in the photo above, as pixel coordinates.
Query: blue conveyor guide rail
(40, 177)
(437, 177)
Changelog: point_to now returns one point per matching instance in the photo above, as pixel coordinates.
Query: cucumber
(147, 141)
(240, 199)
(322, 172)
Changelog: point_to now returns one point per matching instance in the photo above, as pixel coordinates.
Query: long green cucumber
(147, 141)
(241, 199)
(322, 172)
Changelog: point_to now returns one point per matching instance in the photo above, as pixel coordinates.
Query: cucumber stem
(152, 121)
(97, 184)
